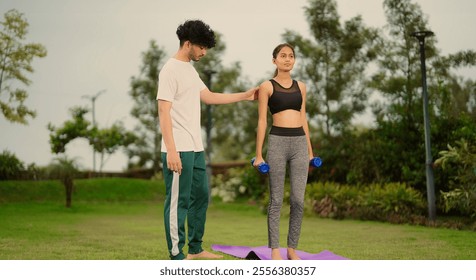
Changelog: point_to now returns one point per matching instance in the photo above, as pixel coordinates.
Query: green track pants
(186, 201)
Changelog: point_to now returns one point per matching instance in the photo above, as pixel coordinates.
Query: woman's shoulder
(301, 84)
(266, 84)
(266, 87)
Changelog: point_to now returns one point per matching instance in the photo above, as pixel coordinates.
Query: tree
(109, 140)
(104, 141)
(146, 150)
(15, 59)
(399, 142)
(398, 146)
(455, 96)
(232, 132)
(234, 125)
(398, 77)
(78, 127)
(333, 65)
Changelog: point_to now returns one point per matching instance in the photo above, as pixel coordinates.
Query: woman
(288, 143)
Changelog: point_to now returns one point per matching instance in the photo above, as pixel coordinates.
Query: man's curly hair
(197, 32)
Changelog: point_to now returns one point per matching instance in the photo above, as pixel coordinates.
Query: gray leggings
(283, 150)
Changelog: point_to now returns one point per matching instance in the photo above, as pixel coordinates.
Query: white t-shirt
(180, 84)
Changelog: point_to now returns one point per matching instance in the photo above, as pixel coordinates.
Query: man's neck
(182, 56)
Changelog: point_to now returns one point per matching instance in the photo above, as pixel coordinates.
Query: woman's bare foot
(292, 254)
(275, 254)
(203, 255)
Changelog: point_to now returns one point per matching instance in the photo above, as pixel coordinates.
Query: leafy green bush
(332, 200)
(10, 166)
(239, 183)
(255, 183)
(460, 161)
(225, 187)
(392, 202)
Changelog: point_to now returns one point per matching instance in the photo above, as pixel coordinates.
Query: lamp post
(208, 130)
(93, 101)
(430, 186)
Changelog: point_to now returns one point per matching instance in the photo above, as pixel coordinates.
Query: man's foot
(292, 254)
(203, 255)
(275, 254)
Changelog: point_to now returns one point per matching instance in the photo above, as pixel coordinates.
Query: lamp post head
(99, 93)
(421, 35)
(94, 97)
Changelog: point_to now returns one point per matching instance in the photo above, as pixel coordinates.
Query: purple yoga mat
(264, 253)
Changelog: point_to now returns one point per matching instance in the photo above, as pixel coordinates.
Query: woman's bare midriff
(287, 118)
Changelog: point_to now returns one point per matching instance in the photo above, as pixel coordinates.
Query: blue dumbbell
(315, 162)
(262, 167)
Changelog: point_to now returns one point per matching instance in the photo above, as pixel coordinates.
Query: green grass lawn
(123, 220)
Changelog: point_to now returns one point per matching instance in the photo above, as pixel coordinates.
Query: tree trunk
(68, 185)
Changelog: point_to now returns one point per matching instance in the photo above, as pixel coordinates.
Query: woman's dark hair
(277, 50)
(197, 32)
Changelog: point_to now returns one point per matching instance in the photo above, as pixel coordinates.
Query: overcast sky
(96, 45)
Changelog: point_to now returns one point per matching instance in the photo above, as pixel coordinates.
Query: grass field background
(122, 219)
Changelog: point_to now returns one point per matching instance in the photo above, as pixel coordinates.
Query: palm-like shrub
(460, 162)
(66, 170)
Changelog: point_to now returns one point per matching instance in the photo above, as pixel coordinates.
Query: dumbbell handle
(263, 167)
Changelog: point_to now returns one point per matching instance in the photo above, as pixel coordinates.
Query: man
(179, 94)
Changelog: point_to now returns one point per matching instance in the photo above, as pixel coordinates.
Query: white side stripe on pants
(174, 215)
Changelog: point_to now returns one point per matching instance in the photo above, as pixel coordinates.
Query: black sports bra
(285, 98)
